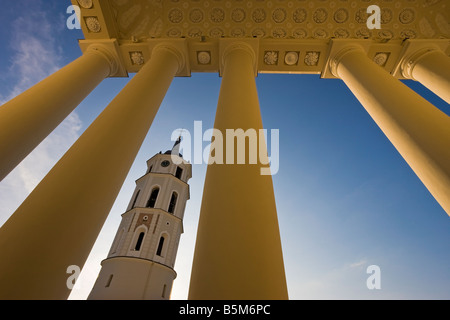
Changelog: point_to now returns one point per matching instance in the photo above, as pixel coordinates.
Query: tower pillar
(417, 129)
(57, 225)
(29, 118)
(238, 252)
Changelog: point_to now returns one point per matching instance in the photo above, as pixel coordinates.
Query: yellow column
(419, 131)
(431, 67)
(30, 117)
(238, 252)
(59, 222)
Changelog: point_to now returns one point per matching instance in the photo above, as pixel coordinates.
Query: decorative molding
(381, 58)
(271, 58)
(300, 15)
(407, 16)
(93, 24)
(137, 58)
(86, 4)
(259, 15)
(341, 15)
(204, 57)
(312, 58)
(277, 19)
(320, 15)
(291, 58)
(279, 15)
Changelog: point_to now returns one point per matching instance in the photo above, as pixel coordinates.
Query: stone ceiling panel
(275, 19)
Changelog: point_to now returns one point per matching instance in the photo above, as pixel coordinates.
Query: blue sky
(346, 199)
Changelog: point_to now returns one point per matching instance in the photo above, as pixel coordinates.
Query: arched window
(173, 202)
(139, 241)
(160, 246)
(152, 200)
(135, 199)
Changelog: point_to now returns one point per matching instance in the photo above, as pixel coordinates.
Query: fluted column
(59, 222)
(419, 131)
(431, 67)
(29, 118)
(238, 252)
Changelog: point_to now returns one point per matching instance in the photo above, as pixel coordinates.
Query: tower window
(109, 281)
(160, 247)
(173, 202)
(152, 200)
(135, 199)
(139, 241)
(179, 173)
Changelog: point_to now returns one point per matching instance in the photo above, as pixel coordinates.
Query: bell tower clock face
(165, 164)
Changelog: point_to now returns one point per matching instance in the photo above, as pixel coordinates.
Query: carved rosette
(217, 15)
(320, 15)
(216, 32)
(341, 15)
(312, 58)
(386, 15)
(137, 58)
(93, 24)
(279, 15)
(204, 57)
(381, 58)
(407, 16)
(176, 15)
(86, 4)
(238, 15)
(300, 33)
(271, 58)
(196, 15)
(300, 15)
(291, 58)
(259, 15)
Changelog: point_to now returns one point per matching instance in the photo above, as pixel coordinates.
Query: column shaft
(58, 223)
(238, 252)
(432, 69)
(29, 118)
(419, 131)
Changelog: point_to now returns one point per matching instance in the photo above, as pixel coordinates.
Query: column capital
(249, 46)
(337, 57)
(107, 54)
(109, 50)
(408, 64)
(238, 45)
(179, 55)
(337, 49)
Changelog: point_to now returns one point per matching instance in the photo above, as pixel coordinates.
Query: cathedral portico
(160, 40)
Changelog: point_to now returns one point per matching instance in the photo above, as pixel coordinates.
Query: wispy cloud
(36, 55)
(358, 264)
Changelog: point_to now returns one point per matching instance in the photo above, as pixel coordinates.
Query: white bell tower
(140, 263)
